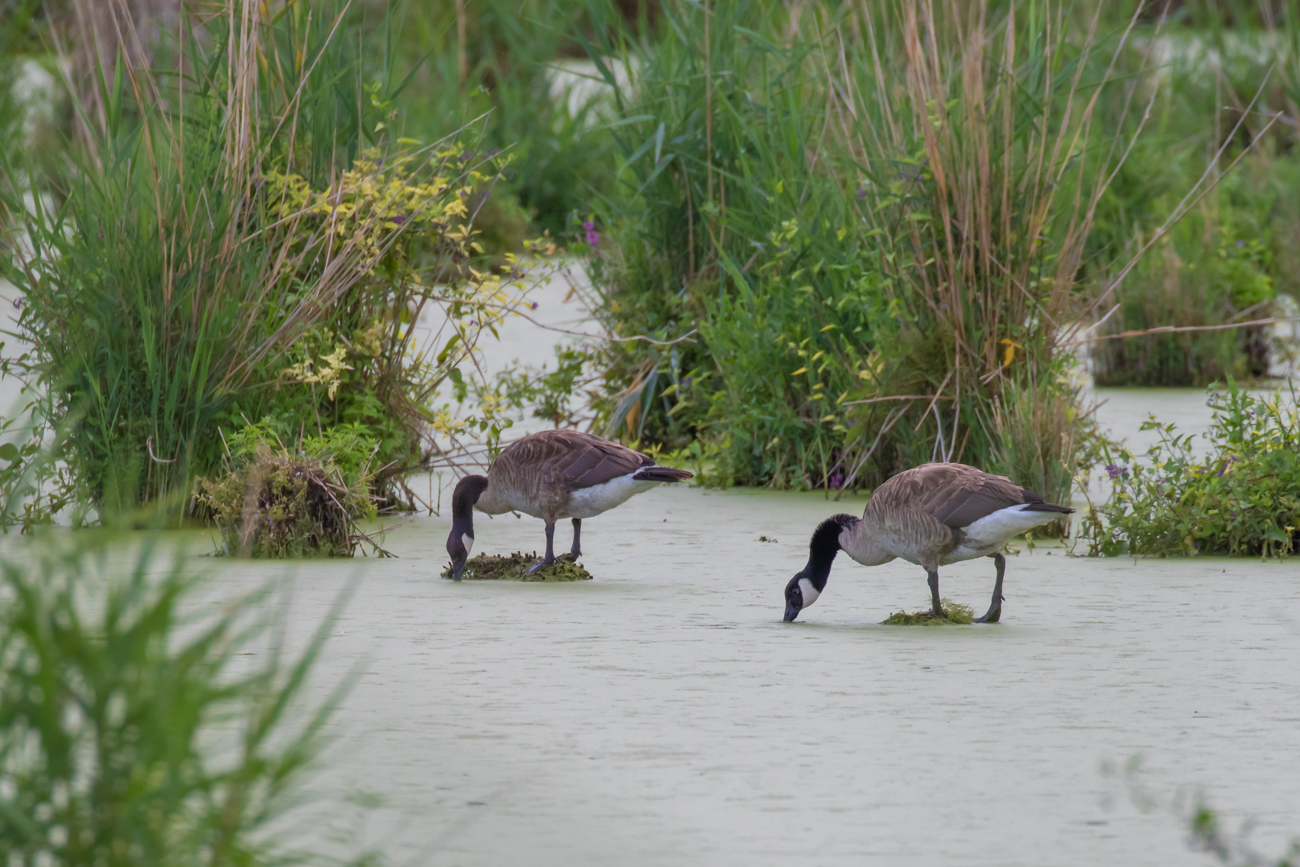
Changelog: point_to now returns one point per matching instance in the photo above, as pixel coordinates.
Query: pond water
(663, 713)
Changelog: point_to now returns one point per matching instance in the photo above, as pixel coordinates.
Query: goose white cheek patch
(468, 541)
(810, 593)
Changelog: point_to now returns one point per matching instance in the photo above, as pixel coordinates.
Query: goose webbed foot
(994, 614)
(540, 564)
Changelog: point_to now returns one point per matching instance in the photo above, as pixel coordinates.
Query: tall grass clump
(877, 248)
(248, 238)
(132, 732)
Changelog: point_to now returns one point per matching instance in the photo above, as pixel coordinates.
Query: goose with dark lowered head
(931, 515)
(552, 475)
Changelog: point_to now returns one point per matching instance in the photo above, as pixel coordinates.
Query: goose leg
(550, 549)
(936, 607)
(576, 550)
(995, 608)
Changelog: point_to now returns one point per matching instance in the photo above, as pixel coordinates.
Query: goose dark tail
(1048, 507)
(662, 474)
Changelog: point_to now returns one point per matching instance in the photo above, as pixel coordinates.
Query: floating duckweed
(514, 567)
(957, 613)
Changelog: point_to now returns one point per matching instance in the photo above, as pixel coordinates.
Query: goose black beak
(791, 612)
(457, 569)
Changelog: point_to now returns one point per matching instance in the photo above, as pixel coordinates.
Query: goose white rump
(590, 502)
(991, 532)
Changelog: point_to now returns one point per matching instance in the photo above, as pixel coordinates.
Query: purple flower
(593, 237)
(399, 219)
(534, 305)
(100, 236)
(688, 381)
(18, 302)
(1241, 243)
(467, 156)
(492, 153)
(1115, 471)
(836, 481)
(862, 193)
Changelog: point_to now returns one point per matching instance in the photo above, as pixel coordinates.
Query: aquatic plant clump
(514, 567)
(271, 502)
(1240, 499)
(958, 614)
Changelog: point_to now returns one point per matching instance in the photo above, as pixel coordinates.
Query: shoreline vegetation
(817, 266)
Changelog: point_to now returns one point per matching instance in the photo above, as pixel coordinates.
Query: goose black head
(461, 538)
(808, 584)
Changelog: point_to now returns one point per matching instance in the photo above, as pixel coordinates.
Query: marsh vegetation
(256, 249)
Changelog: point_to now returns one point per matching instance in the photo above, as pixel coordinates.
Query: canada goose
(931, 515)
(551, 475)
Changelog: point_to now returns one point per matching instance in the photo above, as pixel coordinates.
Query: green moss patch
(957, 613)
(514, 567)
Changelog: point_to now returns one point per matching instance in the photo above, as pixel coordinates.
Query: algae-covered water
(663, 714)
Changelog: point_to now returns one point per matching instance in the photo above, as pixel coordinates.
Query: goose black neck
(822, 549)
(467, 492)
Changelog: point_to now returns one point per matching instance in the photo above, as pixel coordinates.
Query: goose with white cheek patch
(552, 475)
(931, 515)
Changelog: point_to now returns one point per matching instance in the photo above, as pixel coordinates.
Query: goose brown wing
(955, 494)
(571, 460)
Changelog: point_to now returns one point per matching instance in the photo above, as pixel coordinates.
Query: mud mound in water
(957, 613)
(514, 567)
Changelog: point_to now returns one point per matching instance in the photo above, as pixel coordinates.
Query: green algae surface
(957, 614)
(514, 567)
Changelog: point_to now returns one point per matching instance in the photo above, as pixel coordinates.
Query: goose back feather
(932, 514)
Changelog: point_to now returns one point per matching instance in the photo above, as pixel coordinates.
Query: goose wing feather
(954, 494)
(571, 460)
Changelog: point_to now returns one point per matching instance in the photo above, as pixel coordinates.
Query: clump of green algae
(514, 567)
(957, 613)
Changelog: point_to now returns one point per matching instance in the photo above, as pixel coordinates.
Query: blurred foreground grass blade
(133, 730)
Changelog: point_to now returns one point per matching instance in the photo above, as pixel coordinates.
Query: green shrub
(1241, 498)
(133, 732)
